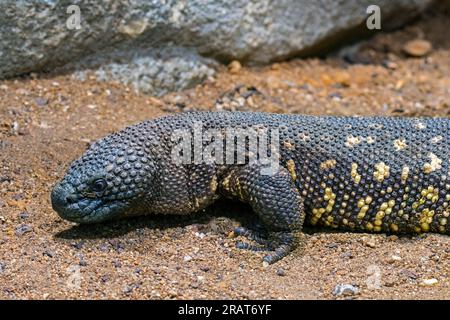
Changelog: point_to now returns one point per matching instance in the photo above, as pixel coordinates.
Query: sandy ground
(46, 121)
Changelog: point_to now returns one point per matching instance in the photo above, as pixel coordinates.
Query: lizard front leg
(277, 202)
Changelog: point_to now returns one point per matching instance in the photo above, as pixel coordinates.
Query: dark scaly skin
(373, 174)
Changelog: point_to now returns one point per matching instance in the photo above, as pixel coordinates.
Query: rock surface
(133, 41)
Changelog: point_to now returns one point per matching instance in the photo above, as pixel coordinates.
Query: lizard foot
(278, 244)
(263, 243)
(285, 243)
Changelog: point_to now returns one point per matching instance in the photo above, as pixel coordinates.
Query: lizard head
(108, 181)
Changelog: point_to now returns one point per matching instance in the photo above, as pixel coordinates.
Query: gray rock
(159, 46)
(281, 272)
(22, 229)
(345, 290)
(152, 71)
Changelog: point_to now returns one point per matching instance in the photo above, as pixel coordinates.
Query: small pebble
(204, 268)
(82, 263)
(435, 257)
(332, 245)
(409, 274)
(395, 258)
(129, 288)
(200, 235)
(390, 64)
(429, 282)
(345, 290)
(392, 237)
(48, 253)
(77, 245)
(41, 101)
(347, 255)
(2, 267)
(234, 67)
(281, 272)
(22, 229)
(417, 48)
(104, 247)
(24, 215)
(187, 258)
(371, 244)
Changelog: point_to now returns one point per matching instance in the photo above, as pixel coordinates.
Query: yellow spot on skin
(436, 139)
(288, 145)
(291, 168)
(405, 173)
(370, 140)
(380, 215)
(361, 202)
(381, 171)
(420, 125)
(226, 183)
(433, 165)
(426, 218)
(369, 226)
(356, 177)
(362, 212)
(330, 198)
(352, 141)
(394, 227)
(213, 184)
(328, 164)
(377, 126)
(400, 144)
(364, 205)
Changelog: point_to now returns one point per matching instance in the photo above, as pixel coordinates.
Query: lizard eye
(98, 185)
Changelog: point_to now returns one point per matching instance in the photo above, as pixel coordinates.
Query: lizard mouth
(83, 210)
